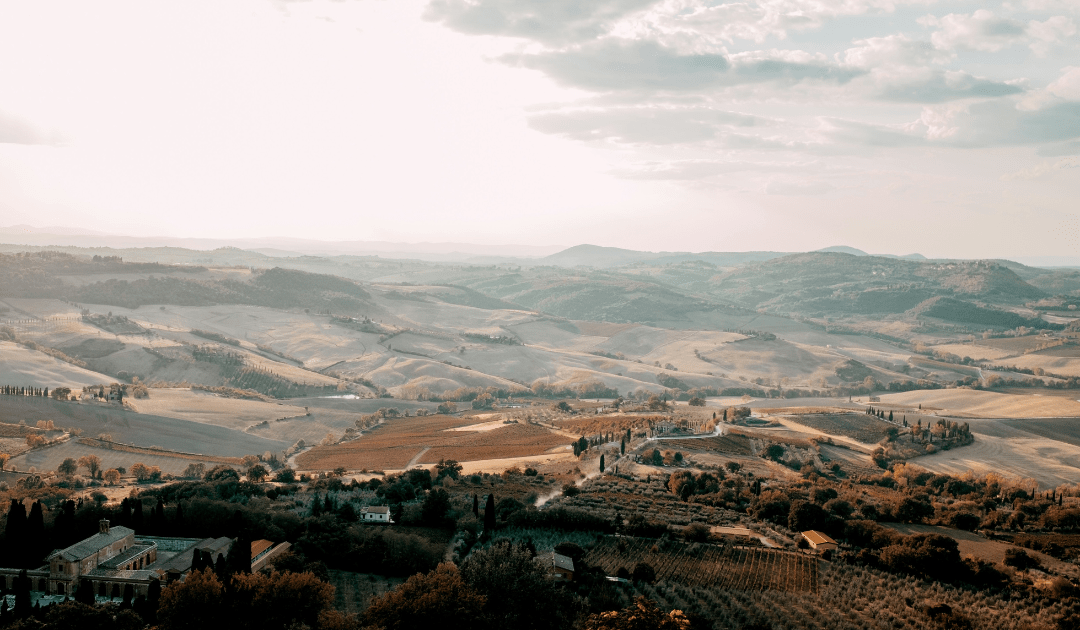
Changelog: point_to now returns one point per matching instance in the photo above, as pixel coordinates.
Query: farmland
(982, 404)
(94, 419)
(206, 408)
(393, 444)
(51, 457)
(512, 440)
(863, 427)
(730, 444)
(710, 566)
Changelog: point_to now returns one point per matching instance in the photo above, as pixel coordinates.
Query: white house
(376, 514)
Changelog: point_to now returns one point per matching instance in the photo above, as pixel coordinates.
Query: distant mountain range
(594, 256)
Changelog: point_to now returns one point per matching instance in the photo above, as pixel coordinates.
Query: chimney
(103, 526)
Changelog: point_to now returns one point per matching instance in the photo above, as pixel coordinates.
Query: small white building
(376, 514)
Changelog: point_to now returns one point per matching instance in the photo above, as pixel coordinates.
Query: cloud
(15, 130)
(631, 125)
(549, 21)
(894, 50)
(1064, 148)
(985, 32)
(708, 23)
(615, 64)
(1040, 170)
(1065, 88)
(992, 123)
(618, 64)
(692, 170)
(942, 86)
(799, 188)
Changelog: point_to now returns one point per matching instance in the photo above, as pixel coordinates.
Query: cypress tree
(153, 597)
(35, 531)
(15, 533)
(137, 515)
(22, 596)
(622, 447)
(476, 505)
(601, 462)
(239, 558)
(489, 515)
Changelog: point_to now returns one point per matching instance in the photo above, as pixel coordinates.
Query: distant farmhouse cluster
(116, 563)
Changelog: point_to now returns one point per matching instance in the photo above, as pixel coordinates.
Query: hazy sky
(949, 128)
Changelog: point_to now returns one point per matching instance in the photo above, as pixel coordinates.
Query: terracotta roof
(818, 538)
(260, 546)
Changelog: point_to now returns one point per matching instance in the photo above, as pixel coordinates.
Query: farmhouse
(115, 563)
(819, 542)
(376, 514)
(263, 551)
(559, 567)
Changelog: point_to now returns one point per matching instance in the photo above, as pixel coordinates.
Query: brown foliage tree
(438, 599)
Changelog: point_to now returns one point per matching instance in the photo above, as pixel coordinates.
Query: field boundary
(148, 450)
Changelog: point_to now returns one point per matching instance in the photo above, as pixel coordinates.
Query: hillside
(836, 282)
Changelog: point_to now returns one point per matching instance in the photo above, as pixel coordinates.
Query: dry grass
(209, 408)
(1015, 454)
(858, 426)
(981, 404)
(1012, 345)
(22, 366)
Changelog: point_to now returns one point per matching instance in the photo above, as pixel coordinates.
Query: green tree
(67, 467)
(602, 462)
(256, 473)
(519, 593)
(447, 468)
(436, 505)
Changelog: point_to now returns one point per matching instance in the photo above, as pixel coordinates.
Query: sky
(948, 128)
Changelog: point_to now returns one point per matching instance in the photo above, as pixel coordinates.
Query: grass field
(969, 403)
(21, 366)
(397, 442)
(859, 426)
(1005, 450)
(207, 408)
(135, 428)
(50, 458)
